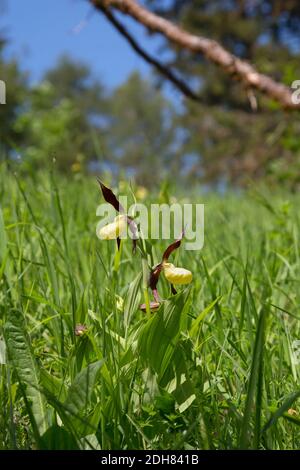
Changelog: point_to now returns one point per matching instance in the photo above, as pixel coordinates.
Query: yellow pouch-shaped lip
(113, 230)
(177, 275)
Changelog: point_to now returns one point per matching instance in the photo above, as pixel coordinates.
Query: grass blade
(254, 388)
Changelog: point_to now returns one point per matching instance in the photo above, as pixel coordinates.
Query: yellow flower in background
(141, 192)
(115, 229)
(76, 167)
(123, 185)
(177, 275)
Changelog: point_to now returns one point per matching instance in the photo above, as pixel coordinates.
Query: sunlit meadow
(214, 366)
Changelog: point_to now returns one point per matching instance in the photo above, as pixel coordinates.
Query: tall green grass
(214, 368)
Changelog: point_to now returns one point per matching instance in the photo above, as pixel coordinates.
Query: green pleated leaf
(57, 438)
(53, 384)
(249, 437)
(23, 361)
(78, 401)
(160, 335)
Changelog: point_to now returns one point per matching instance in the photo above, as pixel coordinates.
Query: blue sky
(40, 31)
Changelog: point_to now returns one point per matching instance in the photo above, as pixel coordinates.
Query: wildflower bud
(76, 167)
(177, 275)
(115, 229)
(80, 330)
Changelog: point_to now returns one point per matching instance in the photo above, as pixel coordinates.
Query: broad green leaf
(53, 384)
(21, 356)
(176, 376)
(78, 401)
(161, 333)
(183, 392)
(57, 438)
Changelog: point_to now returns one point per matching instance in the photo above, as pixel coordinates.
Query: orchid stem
(117, 259)
(145, 287)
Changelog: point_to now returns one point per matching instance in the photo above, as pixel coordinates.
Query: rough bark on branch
(164, 70)
(211, 49)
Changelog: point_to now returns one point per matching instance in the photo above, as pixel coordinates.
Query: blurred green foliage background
(138, 131)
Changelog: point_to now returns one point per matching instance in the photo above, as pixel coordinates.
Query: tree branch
(211, 49)
(181, 85)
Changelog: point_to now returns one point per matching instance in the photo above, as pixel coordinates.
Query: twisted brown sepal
(172, 247)
(155, 273)
(153, 280)
(110, 197)
(154, 276)
(173, 290)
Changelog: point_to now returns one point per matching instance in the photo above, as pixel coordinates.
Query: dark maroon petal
(154, 276)
(172, 247)
(110, 197)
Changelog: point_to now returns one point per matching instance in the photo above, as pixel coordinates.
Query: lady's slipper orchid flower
(174, 275)
(177, 275)
(118, 227)
(114, 230)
